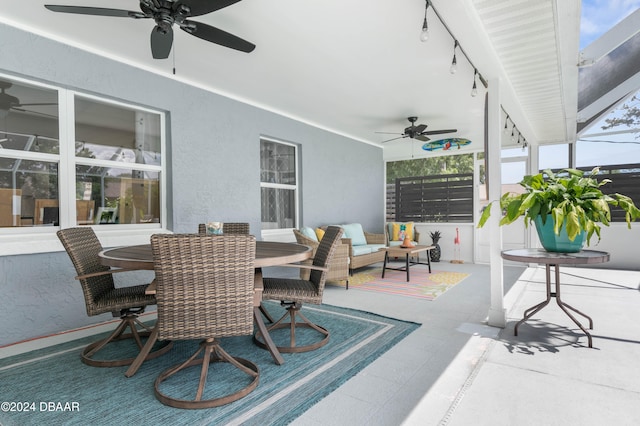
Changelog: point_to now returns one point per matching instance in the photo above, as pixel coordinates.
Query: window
(47, 133)
(278, 186)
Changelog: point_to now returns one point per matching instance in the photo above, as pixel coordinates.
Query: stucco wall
(214, 172)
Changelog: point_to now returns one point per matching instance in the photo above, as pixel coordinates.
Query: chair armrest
(347, 242)
(375, 238)
(97, 274)
(151, 288)
(303, 266)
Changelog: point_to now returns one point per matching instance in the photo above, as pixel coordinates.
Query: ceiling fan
(165, 13)
(417, 132)
(9, 102)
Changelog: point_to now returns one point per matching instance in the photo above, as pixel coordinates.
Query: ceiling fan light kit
(166, 13)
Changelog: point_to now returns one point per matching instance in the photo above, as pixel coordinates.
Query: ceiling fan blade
(99, 11)
(161, 42)
(217, 36)
(399, 137)
(388, 133)
(420, 128)
(36, 104)
(422, 138)
(34, 112)
(202, 7)
(438, 132)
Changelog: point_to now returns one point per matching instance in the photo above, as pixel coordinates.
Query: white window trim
(33, 240)
(283, 234)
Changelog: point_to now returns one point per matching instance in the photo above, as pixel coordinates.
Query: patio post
(497, 313)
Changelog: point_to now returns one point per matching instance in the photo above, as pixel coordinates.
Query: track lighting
(474, 89)
(454, 62)
(514, 130)
(424, 35)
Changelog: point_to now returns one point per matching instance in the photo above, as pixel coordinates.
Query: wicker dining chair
(292, 292)
(205, 287)
(101, 296)
(228, 228)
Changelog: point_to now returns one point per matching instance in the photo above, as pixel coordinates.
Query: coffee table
(408, 253)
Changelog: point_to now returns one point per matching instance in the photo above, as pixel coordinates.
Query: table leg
(257, 316)
(407, 265)
(564, 307)
(532, 310)
(384, 264)
(267, 337)
(429, 259)
(536, 308)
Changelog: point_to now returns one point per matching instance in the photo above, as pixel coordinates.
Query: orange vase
(407, 242)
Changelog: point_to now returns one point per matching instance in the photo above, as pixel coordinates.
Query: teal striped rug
(52, 386)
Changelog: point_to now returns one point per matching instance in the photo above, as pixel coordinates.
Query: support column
(497, 313)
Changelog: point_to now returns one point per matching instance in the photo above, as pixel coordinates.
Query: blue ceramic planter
(558, 243)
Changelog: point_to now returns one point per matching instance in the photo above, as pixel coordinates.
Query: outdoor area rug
(52, 386)
(423, 285)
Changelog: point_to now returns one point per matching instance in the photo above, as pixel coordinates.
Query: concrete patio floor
(456, 370)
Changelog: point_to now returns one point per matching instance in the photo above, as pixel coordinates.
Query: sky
(598, 16)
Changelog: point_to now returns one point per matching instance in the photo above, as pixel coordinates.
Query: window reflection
(26, 188)
(115, 133)
(117, 196)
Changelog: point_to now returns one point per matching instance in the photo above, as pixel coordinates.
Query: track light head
(454, 63)
(424, 35)
(474, 89)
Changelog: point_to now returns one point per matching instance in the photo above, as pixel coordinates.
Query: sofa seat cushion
(376, 247)
(355, 232)
(360, 250)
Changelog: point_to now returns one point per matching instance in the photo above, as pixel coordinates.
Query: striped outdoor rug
(52, 387)
(423, 285)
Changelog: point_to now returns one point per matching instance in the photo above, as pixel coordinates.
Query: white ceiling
(358, 67)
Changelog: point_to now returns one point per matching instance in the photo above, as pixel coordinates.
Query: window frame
(43, 239)
(277, 233)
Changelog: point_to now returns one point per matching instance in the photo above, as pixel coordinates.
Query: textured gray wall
(214, 158)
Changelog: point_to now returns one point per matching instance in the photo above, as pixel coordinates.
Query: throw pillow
(401, 230)
(319, 233)
(309, 233)
(355, 232)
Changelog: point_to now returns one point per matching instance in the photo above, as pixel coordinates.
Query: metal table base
(550, 259)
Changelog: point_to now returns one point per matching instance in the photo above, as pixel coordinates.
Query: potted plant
(435, 253)
(568, 201)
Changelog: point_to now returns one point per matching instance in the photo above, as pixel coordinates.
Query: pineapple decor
(435, 252)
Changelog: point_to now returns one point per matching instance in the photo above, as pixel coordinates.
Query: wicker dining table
(268, 253)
